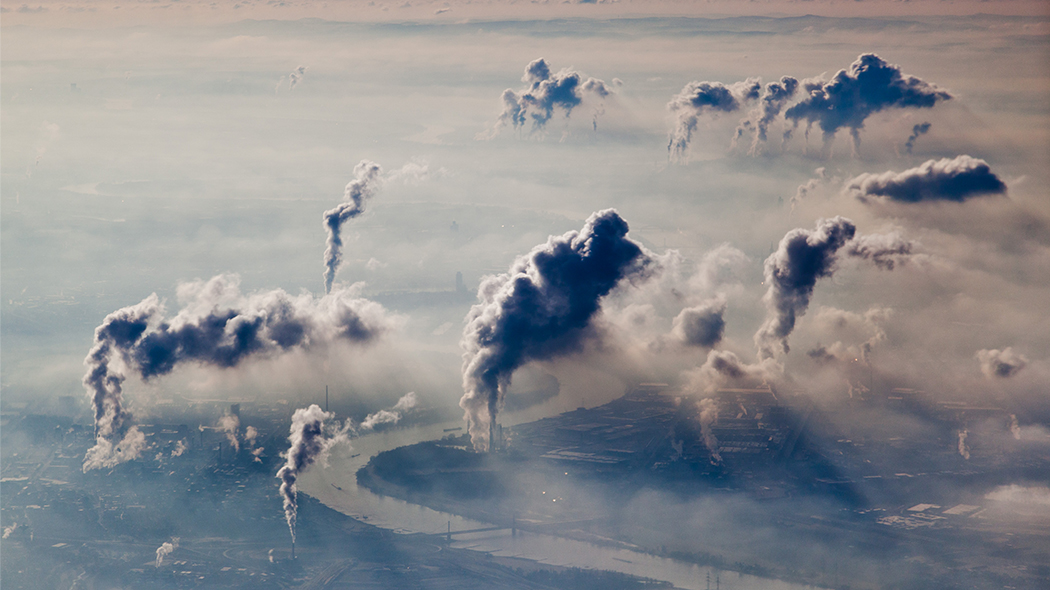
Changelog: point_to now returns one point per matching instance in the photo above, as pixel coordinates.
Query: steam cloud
(869, 86)
(805, 256)
(311, 442)
(540, 309)
(392, 416)
(180, 448)
(293, 79)
(964, 450)
(1001, 364)
(702, 325)
(774, 97)
(217, 326)
(708, 417)
(166, 549)
(546, 91)
(946, 179)
(699, 97)
(367, 180)
(229, 424)
(916, 131)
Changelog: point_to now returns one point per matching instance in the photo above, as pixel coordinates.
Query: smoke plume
(1015, 428)
(180, 448)
(708, 418)
(166, 549)
(540, 309)
(695, 99)
(884, 250)
(916, 131)
(954, 179)
(358, 190)
(963, 449)
(311, 440)
(1001, 364)
(774, 97)
(545, 92)
(851, 96)
(702, 325)
(217, 326)
(229, 424)
(391, 416)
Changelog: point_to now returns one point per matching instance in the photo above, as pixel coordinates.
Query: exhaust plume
(946, 179)
(1001, 363)
(391, 416)
(851, 96)
(963, 449)
(695, 99)
(774, 97)
(217, 326)
(311, 440)
(166, 549)
(540, 309)
(703, 325)
(916, 131)
(544, 93)
(708, 418)
(229, 425)
(358, 191)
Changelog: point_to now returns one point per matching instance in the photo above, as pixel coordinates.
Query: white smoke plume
(313, 434)
(250, 434)
(180, 448)
(360, 189)
(166, 549)
(708, 418)
(1001, 364)
(230, 424)
(8, 530)
(1015, 428)
(293, 78)
(698, 98)
(963, 449)
(391, 416)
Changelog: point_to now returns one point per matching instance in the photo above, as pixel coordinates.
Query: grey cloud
(884, 250)
(702, 325)
(774, 97)
(545, 92)
(358, 190)
(311, 440)
(217, 326)
(1001, 363)
(916, 131)
(851, 96)
(957, 179)
(695, 99)
(540, 309)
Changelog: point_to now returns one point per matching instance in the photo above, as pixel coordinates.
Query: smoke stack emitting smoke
(708, 417)
(367, 180)
(217, 326)
(166, 549)
(311, 440)
(540, 309)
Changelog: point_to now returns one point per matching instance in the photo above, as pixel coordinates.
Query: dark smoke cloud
(869, 86)
(791, 273)
(702, 325)
(545, 92)
(311, 440)
(541, 308)
(695, 99)
(1001, 363)
(956, 179)
(358, 190)
(807, 255)
(217, 326)
(774, 97)
(916, 131)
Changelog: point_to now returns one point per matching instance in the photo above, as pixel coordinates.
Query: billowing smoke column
(217, 326)
(1001, 364)
(851, 96)
(310, 442)
(774, 97)
(700, 97)
(392, 416)
(166, 549)
(702, 325)
(916, 131)
(708, 418)
(546, 91)
(229, 424)
(955, 179)
(792, 271)
(358, 190)
(807, 255)
(540, 309)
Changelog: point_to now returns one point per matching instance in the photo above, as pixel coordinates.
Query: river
(336, 487)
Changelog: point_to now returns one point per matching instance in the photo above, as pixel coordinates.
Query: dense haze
(824, 203)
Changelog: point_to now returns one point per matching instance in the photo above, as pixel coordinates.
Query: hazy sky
(146, 145)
